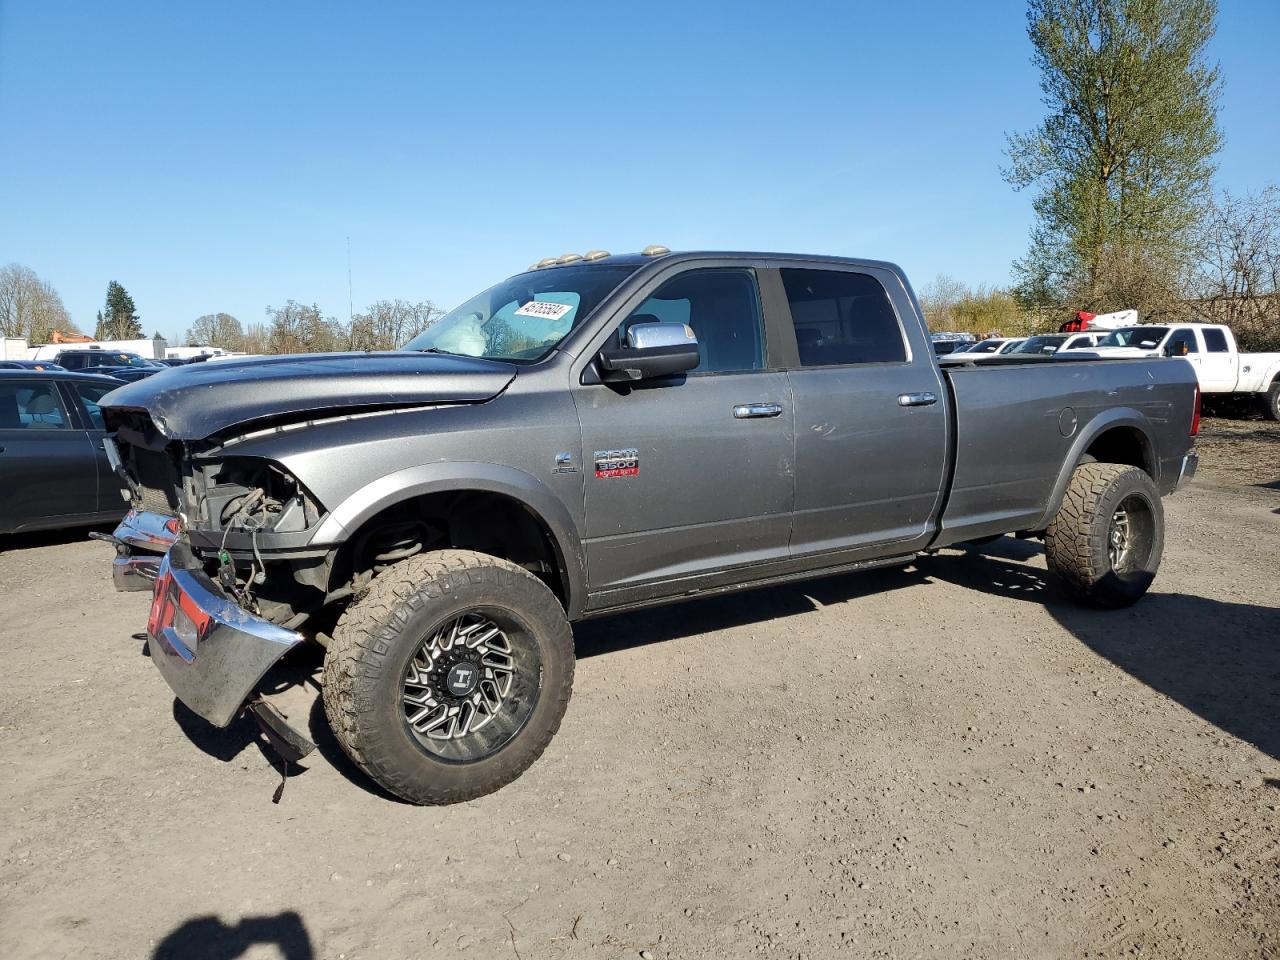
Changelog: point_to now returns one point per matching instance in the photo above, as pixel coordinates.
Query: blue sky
(217, 156)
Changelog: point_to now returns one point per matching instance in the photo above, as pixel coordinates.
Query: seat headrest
(41, 404)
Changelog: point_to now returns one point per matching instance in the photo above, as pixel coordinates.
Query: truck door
(1182, 343)
(871, 413)
(1219, 365)
(690, 474)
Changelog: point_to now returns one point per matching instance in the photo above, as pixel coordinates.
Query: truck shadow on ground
(1219, 660)
(208, 938)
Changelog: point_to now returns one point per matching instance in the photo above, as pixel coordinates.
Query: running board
(778, 580)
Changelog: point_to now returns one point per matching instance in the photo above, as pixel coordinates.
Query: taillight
(1195, 413)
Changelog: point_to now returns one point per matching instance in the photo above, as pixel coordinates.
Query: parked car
(947, 343)
(1010, 345)
(989, 345)
(29, 365)
(594, 436)
(1045, 343)
(115, 363)
(54, 471)
(1080, 341)
(1211, 349)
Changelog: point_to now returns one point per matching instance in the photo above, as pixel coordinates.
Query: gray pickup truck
(598, 434)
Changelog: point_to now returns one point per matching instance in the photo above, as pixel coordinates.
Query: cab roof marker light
(546, 262)
(654, 250)
(595, 255)
(568, 258)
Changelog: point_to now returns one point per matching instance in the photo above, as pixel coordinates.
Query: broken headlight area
(249, 495)
(248, 529)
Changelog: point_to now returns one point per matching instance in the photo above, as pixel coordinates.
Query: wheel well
(1122, 445)
(491, 523)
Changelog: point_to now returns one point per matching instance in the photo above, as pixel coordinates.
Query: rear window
(842, 318)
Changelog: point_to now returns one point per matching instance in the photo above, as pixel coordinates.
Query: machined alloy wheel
(448, 678)
(470, 687)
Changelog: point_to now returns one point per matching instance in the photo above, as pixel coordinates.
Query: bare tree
(389, 324)
(297, 328)
(257, 339)
(216, 330)
(1237, 280)
(30, 307)
(938, 300)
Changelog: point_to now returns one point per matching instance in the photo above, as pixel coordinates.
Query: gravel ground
(948, 760)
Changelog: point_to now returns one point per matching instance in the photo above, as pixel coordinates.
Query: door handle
(916, 399)
(751, 411)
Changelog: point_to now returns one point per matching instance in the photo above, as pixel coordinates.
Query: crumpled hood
(199, 400)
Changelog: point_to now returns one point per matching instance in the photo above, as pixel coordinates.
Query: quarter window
(1215, 341)
(842, 318)
(723, 309)
(90, 395)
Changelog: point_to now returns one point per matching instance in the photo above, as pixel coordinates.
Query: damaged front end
(203, 536)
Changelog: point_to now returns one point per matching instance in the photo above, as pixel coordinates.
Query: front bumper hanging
(208, 648)
(141, 540)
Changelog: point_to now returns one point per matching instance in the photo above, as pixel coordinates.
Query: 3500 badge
(617, 463)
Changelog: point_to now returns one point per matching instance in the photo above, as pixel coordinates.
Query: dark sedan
(29, 365)
(53, 469)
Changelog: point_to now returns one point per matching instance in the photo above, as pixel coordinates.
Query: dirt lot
(948, 760)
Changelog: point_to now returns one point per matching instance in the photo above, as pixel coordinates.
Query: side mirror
(652, 350)
(1178, 349)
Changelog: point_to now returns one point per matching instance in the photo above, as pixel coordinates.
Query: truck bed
(1023, 422)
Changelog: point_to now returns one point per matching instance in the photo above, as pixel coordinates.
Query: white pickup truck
(1211, 349)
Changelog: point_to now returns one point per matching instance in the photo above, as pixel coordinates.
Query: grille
(157, 478)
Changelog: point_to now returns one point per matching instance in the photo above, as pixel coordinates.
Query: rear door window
(841, 318)
(1215, 341)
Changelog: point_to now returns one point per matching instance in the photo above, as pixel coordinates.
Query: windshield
(525, 317)
(1147, 338)
(985, 346)
(105, 359)
(1046, 344)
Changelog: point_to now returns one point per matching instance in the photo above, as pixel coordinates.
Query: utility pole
(351, 326)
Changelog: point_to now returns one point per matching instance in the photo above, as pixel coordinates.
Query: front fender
(349, 515)
(1107, 420)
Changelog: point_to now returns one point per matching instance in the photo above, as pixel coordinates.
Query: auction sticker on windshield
(544, 310)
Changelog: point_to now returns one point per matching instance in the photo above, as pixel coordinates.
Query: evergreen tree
(1123, 161)
(119, 320)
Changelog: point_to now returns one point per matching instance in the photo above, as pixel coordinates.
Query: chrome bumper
(1188, 470)
(211, 651)
(141, 539)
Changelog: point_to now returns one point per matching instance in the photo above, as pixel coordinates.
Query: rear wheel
(1271, 402)
(1106, 540)
(450, 676)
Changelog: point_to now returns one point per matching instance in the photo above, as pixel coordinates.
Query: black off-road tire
(379, 634)
(1271, 401)
(1078, 543)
